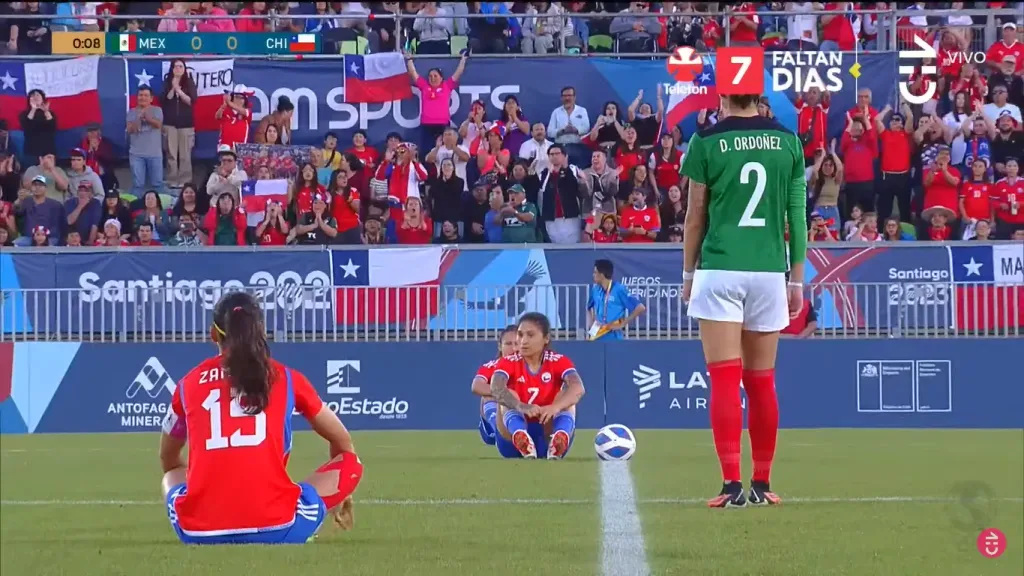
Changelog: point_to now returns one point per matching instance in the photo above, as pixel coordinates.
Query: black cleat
(761, 495)
(731, 496)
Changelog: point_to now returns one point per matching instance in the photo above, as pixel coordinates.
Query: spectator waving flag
(376, 78)
(389, 286)
(70, 87)
(211, 77)
(989, 284)
(256, 193)
(691, 96)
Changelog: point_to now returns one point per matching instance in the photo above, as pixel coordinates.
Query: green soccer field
(857, 502)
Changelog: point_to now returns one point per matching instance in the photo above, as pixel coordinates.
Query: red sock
(727, 415)
(763, 420)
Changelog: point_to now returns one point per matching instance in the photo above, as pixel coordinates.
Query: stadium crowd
(945, 170)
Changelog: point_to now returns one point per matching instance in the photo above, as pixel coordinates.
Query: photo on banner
(283, 161)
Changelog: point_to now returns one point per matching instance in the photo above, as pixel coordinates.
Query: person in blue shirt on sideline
(610, 307)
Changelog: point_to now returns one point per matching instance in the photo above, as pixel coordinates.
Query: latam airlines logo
(646, 379)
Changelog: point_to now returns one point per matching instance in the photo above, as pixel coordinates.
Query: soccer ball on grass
(615, 442)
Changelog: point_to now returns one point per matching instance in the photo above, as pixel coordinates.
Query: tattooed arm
(571, 393)
(507, 398)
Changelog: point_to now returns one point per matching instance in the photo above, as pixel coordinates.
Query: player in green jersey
(746, 182)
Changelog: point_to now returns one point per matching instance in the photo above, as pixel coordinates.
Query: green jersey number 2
(760, 179)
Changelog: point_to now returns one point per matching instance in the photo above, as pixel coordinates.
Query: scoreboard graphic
(185, 43)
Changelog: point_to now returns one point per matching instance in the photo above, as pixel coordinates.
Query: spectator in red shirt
(664, 164)
(711, 34)
(866, 230)
(1008, 45)
(859, 147)
(951, 48)
(969, 81)
(367, 154)
(253, 24)
(214, 23)
(836, 29)
(300, 196)
(863, 108)
(273, 229)
(640, 222)
(234, 117)
(939, 231)
(940, 187)
(897, 146)
(99, 155)
(1009, 201)
(976, 197)
(225, 223)
(608, 231)
(415, 228)
(628, 153)
(821, 229)
(812, 121)
(743, 24)
(345, 208)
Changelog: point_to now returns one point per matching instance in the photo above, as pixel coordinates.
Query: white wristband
(687, 275)
(796, 284)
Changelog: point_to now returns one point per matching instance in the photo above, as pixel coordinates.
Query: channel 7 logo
(926, 51)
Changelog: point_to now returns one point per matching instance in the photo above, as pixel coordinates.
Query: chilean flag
(389, 286)
(681, 105)
(255, 194)
(211, 77)
(376, 78)
(70, 88)
(989, 284)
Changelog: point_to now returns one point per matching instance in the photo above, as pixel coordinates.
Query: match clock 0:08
(79, 43)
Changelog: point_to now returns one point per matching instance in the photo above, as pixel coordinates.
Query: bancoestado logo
(149, 397)
(689, 395)
(288, 290)
(649, 287)
(307, 105)
(341, 381)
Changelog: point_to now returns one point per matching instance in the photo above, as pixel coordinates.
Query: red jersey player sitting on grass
(481, 385)
(537, 391)
(746, 181)
(234, 410)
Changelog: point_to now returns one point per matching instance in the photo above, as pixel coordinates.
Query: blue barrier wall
(71, 387)
(911, 287)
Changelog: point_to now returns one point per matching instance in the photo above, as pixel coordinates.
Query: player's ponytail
(238, 329)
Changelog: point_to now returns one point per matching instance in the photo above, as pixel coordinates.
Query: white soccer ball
(615, 442)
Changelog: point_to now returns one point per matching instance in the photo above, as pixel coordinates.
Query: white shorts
(758, 300)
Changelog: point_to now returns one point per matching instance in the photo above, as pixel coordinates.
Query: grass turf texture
(442, 503)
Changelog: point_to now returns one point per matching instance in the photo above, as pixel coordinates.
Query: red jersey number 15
(740, 70)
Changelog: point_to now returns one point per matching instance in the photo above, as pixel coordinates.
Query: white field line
(622, 537)
(442, 502)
